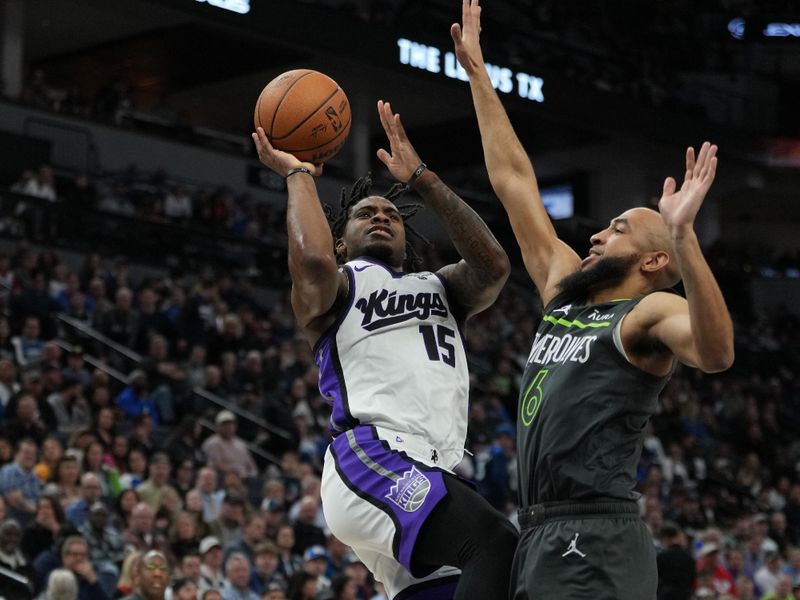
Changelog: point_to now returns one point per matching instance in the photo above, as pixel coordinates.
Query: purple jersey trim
(332, 385)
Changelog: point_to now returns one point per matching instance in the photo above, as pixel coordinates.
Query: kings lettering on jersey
(395, 359)
(383, 308)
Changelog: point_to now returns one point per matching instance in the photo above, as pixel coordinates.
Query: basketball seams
(345, 129)
(310, 114)
(283, 97)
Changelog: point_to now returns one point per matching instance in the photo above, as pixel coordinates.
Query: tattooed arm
(474, 282)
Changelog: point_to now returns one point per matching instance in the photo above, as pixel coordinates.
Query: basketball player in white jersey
(392, 363)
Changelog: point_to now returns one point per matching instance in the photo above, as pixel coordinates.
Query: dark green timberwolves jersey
(582, 407)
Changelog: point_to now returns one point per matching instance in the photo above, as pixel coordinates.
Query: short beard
(381, 252)
(605, 273)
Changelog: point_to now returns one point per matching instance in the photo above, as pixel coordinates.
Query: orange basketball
(305, 113)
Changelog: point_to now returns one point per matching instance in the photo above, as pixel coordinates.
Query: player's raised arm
(475, 281)
(700, 334)
(547, 259)
(316, 280)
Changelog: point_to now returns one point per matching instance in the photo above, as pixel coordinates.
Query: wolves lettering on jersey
(550, 349)
(395, 359)
(392, 308)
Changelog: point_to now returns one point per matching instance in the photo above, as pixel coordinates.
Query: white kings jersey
(395, 358)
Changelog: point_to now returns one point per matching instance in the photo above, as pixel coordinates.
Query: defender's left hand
(403, 159)
(679, 208)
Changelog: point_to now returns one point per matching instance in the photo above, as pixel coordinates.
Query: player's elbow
(500, 267)
(719, 361)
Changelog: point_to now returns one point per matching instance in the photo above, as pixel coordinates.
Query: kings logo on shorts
(410, 491)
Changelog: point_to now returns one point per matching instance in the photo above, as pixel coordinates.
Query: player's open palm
(277, 160)
(401, 159)
(466, 36)
(679, 207)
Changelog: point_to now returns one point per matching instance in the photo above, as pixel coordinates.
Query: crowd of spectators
(118, 478)
(152, 197)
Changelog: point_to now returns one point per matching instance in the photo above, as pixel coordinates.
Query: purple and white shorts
(378, 488)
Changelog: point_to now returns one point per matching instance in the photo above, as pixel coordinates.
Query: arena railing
(122, 380)
(128, 360)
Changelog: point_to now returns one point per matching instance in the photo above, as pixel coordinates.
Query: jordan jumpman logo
(573, 548)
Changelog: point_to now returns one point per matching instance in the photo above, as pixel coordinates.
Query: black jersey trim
(410, 592)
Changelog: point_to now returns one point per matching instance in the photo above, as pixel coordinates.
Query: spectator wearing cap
(212, 497)
(211, 567)
(228, 526)
(274, 515)
(70, 407)
(766, 578)
(154, 575)
(265, 568)
(237, 579)
(225, 451)
(315, 562)
(26, 423)
(19, 485)
(151, 491)
(251, 534)
(134, 399)
(676, 568)
(91, 490)
(106, 546)
(710, 563)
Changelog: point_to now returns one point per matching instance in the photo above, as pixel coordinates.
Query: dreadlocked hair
(360, 190)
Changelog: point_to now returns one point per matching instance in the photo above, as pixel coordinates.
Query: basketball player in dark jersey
(605, 348)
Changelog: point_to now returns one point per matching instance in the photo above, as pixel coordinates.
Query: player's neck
(626, 289)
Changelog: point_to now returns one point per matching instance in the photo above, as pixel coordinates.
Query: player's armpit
(664, 318)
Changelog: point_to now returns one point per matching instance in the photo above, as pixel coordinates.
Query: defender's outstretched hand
(277, 160)
(401, 160)
(679, 208)
(466, 37)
